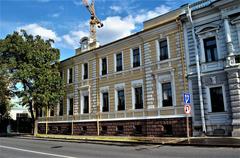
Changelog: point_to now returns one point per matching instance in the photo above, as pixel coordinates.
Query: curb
(124, 143)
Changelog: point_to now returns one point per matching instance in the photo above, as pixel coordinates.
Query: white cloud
(151, 14)
(55, 15)
(77, 2)
(36, 29)
(116, 9)
(72, 39)
(115, 27)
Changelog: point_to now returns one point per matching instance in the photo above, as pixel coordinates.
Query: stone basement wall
(155, 127)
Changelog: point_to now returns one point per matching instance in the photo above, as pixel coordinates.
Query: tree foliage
(5, 93)
(32, 62)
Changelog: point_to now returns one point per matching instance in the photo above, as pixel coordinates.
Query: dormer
(84, 42)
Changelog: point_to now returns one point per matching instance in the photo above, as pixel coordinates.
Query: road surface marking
(36, 152)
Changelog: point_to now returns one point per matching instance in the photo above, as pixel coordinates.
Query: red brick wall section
(153, 127)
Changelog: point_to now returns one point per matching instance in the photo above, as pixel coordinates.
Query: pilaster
(148, 76)
(76, 95)
(234, 90)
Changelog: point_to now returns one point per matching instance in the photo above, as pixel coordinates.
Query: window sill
(103, 76)
(136, 68)
(104, 112)
(137, 110)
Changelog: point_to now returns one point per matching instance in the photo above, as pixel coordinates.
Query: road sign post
(187, 110)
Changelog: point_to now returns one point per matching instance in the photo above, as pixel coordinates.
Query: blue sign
(187, 98)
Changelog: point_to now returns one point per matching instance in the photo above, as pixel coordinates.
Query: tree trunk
(32, 117)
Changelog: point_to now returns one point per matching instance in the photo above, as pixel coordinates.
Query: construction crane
(94, 21)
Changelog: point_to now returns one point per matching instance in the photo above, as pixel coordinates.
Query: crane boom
(94, 21)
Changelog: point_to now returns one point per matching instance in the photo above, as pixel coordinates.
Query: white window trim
(83, 71)
(68, 75)
(100, 65)
(115, 62)
(209, 98)
(120, 86)
(131, 56)
(166, 79)
(136, 84)
(82, 94)
(202, 50)
(158, 48)
(103, 90)
(68, 103)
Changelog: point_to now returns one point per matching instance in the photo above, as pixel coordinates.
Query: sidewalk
(194, 141)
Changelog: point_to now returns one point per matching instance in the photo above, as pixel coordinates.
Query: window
(85, 71)
(210, 48)
(119, 66)
(217, 102)
(138, 98)
(119, 129)
(104, 66)
(83, 129)
(61, 108)
(136, 57)
(104, 130)
(70, 75)
(51, 111)
(105, 102)
(137, 129)
(121, 100)
(166, 94)
(40, 112)
(163, 47)
(86, 104)
(168, 131)
(70, 106)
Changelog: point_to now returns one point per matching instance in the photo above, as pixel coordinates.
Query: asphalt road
(27, 148)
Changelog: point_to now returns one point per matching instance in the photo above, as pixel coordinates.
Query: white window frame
(158, 48)
(100, 66)
(117, 87)
(131, 56)
(209, 98)
(137, 84)
(83, 93)
(58, 108)
(166, 79)
(43, 112)
(68, 103)
(83, 71)
(212, 32)
(202, 50)
(115, 62)
(68, 75)
(104, 90)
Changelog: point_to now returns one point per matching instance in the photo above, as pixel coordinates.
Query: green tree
(5, 93)
(34, 64)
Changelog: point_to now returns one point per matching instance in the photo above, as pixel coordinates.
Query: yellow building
(132, 86)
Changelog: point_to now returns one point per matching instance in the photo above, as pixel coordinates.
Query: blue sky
(66, 21)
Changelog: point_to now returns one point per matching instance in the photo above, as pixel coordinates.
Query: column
(230, 49)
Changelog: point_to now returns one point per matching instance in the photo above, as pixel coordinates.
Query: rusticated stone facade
(151, 127)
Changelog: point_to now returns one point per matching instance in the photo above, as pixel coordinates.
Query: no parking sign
(187, 109)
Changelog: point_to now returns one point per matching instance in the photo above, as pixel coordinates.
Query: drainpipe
(198, 72)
